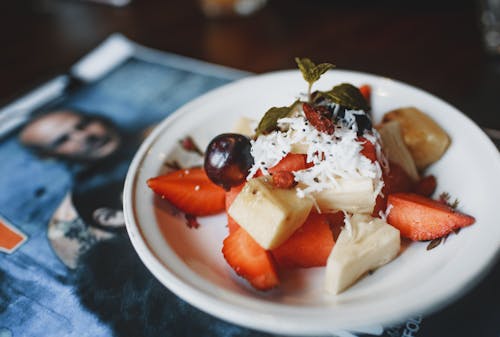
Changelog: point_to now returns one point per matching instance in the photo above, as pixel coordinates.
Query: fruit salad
(318, 184)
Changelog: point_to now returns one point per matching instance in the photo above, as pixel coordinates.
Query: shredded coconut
(334, 156)
(383, 215)
(267, 151)
(388, 210)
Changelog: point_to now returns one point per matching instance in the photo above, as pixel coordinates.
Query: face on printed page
(72, 136)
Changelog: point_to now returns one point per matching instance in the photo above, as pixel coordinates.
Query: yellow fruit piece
(349, 195)
(425, 139)
(269, 214)
(370, 244)
(396, 149)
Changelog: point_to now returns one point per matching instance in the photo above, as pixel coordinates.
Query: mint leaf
(312, 72)
(270, 119)
(346, 95)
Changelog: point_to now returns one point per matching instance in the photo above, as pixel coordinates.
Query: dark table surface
(434, 45)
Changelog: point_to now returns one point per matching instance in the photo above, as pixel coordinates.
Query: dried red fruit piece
(321, 122)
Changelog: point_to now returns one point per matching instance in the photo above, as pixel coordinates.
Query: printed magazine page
(67, 267)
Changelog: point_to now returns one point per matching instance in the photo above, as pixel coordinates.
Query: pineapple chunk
(351, 195)
(299, 148)
(425, 139)
(245, 126)
(396, 149)
(370, 244)
(269, 214)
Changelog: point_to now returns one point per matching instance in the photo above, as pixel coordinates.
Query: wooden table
(430, 44)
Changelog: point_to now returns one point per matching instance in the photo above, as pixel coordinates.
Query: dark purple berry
(228, 159)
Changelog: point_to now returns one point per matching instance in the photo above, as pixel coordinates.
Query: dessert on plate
(318, 184)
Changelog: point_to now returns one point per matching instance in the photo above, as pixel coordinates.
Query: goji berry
(321, 122)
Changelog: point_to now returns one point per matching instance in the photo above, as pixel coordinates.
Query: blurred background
(435, 45)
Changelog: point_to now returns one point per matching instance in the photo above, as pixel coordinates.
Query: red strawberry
(366, 91)
(421, 218)
(309, 246)
(336, 222)
(249, 260)
(368, 149)
(426, 186)
(291, 162)
(232, 194)
(397, 180)
(380, 205)
(232, 225)
(190, 191)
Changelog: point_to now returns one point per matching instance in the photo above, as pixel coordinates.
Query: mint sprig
(346, 95)
(312, 72)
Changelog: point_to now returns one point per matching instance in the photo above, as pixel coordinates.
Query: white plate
(189, 261)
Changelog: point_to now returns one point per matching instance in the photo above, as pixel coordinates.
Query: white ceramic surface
(189, 261)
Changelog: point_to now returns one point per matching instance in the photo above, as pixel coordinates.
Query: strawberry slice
(420, 218)
(366, 91)
(309, 246)
(232, 225)
(249, 260)
(291, 162)
(368, 149)
(397, 180)
(232, 194)
(190, 191)
(380, 205)
(336, 222)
